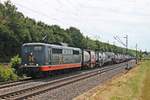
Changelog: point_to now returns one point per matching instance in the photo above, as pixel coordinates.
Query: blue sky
(99, 19)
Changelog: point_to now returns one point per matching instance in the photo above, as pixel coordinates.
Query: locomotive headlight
(37, 64)
(25, 64)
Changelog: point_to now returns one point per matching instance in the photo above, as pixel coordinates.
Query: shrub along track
(39, 89)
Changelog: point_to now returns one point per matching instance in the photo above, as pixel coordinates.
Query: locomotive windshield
(32, 48)
(33, 54)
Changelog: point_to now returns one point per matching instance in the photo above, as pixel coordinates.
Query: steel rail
(29, 92)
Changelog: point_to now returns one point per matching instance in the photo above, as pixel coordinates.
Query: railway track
(8, 84)
(15, 83)
(39, 89)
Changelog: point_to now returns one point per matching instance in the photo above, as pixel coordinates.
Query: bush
(7, 73)
(12, 71)
(15, 63)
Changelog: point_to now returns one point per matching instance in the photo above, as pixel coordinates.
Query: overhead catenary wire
(119, 40)
(32, 10)
(38, 12)
(59, 20)
(73, 16)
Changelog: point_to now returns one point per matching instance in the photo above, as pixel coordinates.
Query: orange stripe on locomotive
(58, 67)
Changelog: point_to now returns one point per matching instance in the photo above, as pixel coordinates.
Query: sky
(98, 19)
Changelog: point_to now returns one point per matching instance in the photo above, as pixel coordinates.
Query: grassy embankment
(134, 85)
(145, 93)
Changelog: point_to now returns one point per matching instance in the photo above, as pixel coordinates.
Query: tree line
(16, 29)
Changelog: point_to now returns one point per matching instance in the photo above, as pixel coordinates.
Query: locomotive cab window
(32, 48)
(36, 52)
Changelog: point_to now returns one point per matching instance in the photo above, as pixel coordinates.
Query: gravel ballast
(70, 91)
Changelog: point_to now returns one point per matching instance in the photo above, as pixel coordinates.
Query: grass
(134, 85)
(145, 95)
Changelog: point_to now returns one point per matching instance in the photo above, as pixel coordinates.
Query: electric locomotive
(41, 57)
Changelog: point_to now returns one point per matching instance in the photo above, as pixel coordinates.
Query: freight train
(45, 58)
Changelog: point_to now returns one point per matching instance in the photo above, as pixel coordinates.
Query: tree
(76, 37)
(16, 29)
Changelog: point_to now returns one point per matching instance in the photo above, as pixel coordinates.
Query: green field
(134, 85)
(146, 88)
(137, 87)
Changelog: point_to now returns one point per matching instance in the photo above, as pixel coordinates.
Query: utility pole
(136, 54)
(114, 47)
(140, 55)
(126, 37)
(124, 44)
(108, 46)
